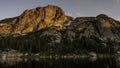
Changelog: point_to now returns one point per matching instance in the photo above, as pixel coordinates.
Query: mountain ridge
(48, 31)
(54, 17)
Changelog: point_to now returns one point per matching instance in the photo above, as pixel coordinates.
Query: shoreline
(21, 55)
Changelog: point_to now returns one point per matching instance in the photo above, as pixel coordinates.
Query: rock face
(33, 20)
(101, 26)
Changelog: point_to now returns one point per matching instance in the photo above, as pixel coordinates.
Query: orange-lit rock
(33, 20)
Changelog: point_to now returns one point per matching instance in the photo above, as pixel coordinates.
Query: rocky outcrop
(100, 26)
(33, 20)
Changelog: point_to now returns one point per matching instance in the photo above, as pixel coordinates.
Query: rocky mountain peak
(34, 19)
(102, 16)
(101, 26)
(107, 21)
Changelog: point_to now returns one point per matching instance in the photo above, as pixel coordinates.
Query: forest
(46, 46)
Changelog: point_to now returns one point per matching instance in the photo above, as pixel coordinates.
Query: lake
(60, 63)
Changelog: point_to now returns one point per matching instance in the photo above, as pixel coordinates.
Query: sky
(75, 8)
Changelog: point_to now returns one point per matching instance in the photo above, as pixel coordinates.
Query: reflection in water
(6, 62)
(60, 63)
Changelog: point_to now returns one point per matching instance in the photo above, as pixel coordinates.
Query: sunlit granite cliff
(33, 19)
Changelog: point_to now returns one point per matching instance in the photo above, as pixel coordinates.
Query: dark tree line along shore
(45, 45)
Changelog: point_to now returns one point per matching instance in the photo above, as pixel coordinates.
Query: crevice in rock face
(97, 26)
(56, 13)
(44, 16)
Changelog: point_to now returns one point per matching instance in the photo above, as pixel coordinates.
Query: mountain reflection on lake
(60, 63)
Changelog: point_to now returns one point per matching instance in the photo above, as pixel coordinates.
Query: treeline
(46, 45)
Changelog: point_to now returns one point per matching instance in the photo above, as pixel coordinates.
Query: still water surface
(60, 63)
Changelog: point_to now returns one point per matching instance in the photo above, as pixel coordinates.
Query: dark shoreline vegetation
(29, 45)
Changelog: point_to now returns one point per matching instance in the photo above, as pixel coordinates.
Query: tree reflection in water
(60, 63)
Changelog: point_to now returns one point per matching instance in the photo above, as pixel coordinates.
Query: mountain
(53, 16)
(48, 30)
(101, 26)
(33, 20)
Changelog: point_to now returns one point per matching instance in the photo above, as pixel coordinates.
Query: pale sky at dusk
(75, 8)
